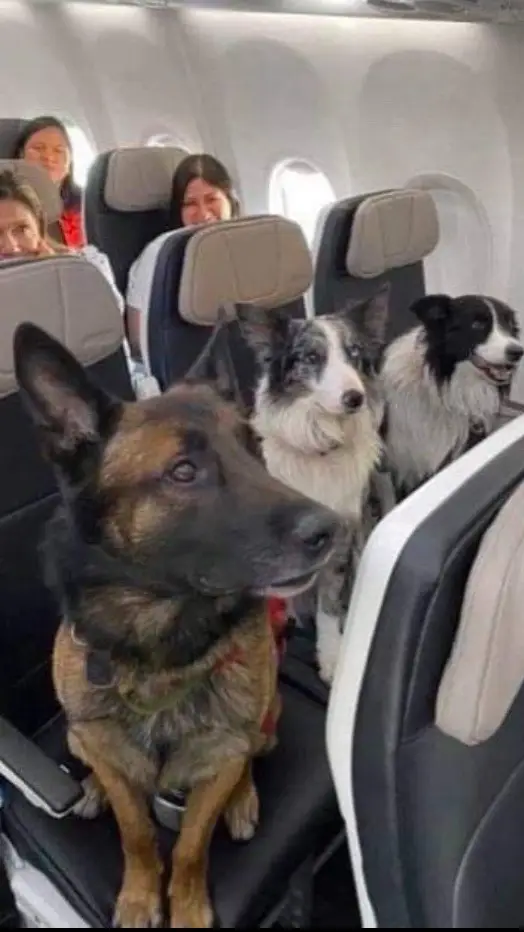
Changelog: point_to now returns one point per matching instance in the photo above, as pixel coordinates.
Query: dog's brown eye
(183, 471)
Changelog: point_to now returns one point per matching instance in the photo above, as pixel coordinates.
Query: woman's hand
(45, 249)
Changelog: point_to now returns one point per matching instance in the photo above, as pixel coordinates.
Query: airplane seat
(367, 241)
(126, 202)
(424, 731)
(10, 129)
(65, 871)
(261, 260)
(69, 297)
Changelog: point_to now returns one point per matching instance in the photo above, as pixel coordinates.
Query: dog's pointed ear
(69, 411)
(215, 363)
(370, 314)
(432, 308)
(263, 330)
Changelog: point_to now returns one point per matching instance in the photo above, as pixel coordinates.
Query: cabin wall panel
(34, 78)
(508, 79)
(371, 103)
(138, 61)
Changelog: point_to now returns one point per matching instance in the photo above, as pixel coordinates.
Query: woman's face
(19, 233)
(204, 203)
(48, 148)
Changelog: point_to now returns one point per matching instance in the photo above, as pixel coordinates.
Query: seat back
(425, 728)
(370, 240)
(126, 202)
(10, 129)
(69, 298)
(261, 260)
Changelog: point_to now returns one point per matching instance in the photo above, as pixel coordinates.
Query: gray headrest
(141, 179)
(391, 230)
(486, 668)
(68, 297)
(10, 129)
(261, 260)
(45, 189)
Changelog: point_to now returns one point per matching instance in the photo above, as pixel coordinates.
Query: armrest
(43, 783)
(511, 408)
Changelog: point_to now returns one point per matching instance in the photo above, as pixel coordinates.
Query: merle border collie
(317, 412)
(444, 382)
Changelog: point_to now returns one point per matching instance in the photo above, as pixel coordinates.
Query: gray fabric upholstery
(67, 296)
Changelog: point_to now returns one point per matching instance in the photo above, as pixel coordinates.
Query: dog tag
(99, 670)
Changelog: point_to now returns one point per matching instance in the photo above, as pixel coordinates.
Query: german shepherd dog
(169, 539)
(318, 412)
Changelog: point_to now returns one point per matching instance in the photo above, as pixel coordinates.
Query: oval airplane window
(164, 139)
(84, 152)
(299, 191)
(463, 259)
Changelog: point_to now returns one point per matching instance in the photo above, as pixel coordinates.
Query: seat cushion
(299, 814)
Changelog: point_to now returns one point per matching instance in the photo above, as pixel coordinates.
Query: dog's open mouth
(293, 585)
(281, 588)
(498, 374)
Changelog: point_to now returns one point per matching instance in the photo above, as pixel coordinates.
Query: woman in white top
(202, 192)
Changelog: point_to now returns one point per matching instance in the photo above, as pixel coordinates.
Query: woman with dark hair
(202, 192)
(45, 141)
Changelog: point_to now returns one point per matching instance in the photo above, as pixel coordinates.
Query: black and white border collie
(444, 382)
(318, 410)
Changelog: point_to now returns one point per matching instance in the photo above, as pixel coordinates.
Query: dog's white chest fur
(428, 423)
(338, 478)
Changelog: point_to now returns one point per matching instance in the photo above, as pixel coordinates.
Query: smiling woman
(49, 142)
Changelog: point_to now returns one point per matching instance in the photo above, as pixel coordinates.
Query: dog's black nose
(352, 400)
(514, 352)
(316, 531)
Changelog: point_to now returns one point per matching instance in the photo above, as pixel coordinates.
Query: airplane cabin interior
(374, 158)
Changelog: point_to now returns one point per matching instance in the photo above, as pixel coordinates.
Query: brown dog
(169, 539)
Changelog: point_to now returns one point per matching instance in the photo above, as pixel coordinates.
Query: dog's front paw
(241, 815)
(190, 904)
(328, 645)
(94, 800)
(138, 907)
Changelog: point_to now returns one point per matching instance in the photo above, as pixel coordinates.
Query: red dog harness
(277, 619)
